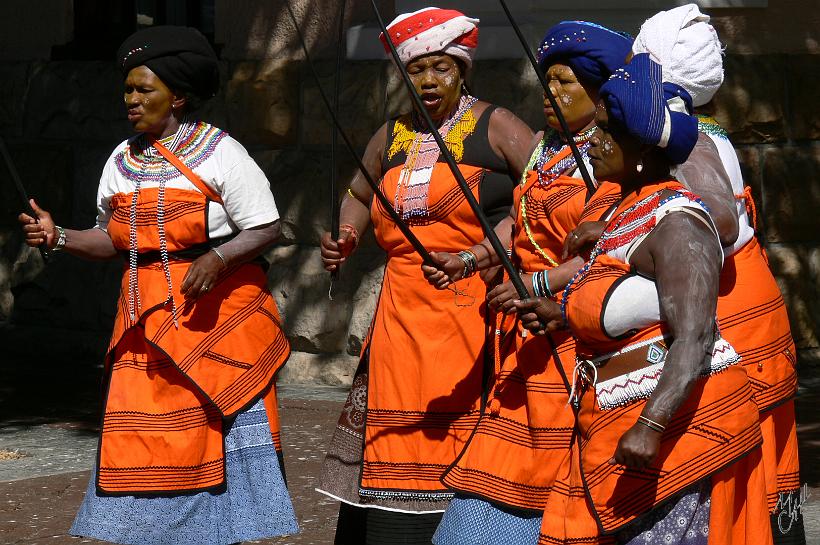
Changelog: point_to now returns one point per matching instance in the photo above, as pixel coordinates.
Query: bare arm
(703, 173)
(355, 210)
(683, 256)
(510, 133)
(93, 244)
(245, 246)
(511, 139)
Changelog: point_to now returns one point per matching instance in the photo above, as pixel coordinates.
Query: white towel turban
(688, 48)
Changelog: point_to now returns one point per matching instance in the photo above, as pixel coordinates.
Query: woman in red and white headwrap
(420, 379)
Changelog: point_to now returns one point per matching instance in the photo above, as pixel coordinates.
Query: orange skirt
(714, 435)
(752, 317)
(514, 455)
(170, 388)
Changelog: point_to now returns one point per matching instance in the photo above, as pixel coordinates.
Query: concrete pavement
(45, 470)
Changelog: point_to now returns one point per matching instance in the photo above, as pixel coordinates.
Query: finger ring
(205, 287)
(574, 234)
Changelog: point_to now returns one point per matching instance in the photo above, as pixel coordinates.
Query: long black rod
(553, 103)
(405, 230)
(334, 135)
(465, 188)
(21, 190)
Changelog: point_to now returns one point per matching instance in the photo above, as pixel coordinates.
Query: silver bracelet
(470, 263)
(61, 239)
(220, 255)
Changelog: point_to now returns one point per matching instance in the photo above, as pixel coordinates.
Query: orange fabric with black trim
(170, 388)
(780, 452)
(753, 318)
(714, 428)
(605, 197)
(568, 518)
(426, 347)
(518, 445)
(184, 219)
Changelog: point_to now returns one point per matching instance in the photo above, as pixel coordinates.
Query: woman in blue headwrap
(667, 425)
(504, 475)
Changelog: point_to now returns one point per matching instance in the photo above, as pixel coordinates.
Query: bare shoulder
(502, 115)
(705, 141)
(379, 139)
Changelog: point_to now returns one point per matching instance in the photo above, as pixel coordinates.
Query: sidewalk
(40, 492)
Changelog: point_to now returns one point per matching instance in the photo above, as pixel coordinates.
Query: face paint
(438, 81)
(606, 145)
(605, 153)
(572, 97)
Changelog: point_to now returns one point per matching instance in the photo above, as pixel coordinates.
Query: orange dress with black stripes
(176, 371)
(426, 351)
(753, 317)
(525, 432)
(713, 435)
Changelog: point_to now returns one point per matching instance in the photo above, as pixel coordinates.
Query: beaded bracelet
(541, 284)
(354, 234)
(544, 280)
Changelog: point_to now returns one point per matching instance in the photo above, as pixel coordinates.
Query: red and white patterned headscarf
(433, 30)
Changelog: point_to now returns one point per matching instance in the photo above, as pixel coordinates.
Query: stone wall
(62, 118)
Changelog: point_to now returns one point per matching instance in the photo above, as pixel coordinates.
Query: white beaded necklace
(133, 249)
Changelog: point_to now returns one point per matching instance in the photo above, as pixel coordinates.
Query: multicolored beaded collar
(709, 125)
(194, 142)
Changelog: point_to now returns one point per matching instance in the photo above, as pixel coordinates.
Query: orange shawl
(714, 428)
(170, 389)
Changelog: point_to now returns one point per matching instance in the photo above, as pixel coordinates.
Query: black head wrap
(180, 56)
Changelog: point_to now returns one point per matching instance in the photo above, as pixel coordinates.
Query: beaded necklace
(133, 248)
(414, 180)
(550, 146)
(637, 220)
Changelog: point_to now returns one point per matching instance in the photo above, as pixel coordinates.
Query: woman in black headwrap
(189, 446)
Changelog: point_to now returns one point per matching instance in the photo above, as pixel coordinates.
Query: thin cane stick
(402, 226)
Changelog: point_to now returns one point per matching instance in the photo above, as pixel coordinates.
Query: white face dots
(566, 99)
(606, 145)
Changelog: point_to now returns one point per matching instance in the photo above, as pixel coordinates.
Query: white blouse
(221, 162)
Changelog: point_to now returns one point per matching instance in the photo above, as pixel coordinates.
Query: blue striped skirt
(255, 504)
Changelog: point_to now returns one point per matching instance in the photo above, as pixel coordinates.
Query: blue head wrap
(635, 99)
(592, 51)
